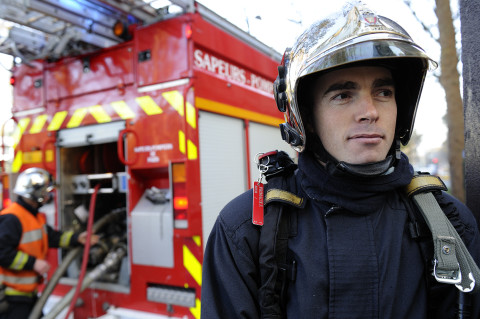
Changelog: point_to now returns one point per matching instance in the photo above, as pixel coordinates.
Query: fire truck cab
(150, 134)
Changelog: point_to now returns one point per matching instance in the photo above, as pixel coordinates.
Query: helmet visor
(365, 50)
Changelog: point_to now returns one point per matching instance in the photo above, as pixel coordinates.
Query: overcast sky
(279, 22)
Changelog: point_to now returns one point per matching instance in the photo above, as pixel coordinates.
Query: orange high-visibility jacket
(34, 242)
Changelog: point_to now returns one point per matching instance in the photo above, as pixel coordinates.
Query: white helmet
(35, 184)
(353, 35)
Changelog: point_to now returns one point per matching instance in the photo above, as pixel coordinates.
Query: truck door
(222, 164)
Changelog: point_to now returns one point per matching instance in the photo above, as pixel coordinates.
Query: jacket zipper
(332, 209)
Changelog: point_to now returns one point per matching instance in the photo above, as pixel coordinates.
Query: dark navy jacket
(355, 257)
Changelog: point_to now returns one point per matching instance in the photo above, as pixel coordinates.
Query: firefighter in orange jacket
(24, 241)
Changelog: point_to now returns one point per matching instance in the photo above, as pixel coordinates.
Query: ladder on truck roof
(53, 29)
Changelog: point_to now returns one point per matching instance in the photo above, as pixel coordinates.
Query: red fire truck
(158, 128)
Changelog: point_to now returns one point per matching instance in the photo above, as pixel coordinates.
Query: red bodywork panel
(28, 92)
(161, 52)
(105, 70)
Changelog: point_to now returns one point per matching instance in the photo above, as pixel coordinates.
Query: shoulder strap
(280, 223)
(282, 196)
(453, 264)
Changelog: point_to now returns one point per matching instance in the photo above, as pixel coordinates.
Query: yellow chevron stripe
(175, 99)
(196, 311)
(77, 117)
(17, 162)
(197, 240)
(21, 127)
(123, 110)
(192, 265)
(57, 121)
(192, 150)
(148, 105)
(191, 115)
(181, 142)
(99, 114)
(38, 124)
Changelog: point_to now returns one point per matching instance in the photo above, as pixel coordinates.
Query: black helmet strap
(339, 168)
(361, 170)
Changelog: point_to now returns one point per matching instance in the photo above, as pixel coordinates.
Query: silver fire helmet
(35, 184)
(353, 35)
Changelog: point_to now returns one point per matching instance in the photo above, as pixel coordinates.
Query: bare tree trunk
(449, 79)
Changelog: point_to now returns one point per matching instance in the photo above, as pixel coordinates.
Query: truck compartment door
(152, 233)
(222, 164)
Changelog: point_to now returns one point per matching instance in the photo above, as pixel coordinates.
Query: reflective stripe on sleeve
(65, 239)
(19, 261)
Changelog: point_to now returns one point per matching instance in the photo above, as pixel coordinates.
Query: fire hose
(91, 215)
(67, 260)
(113, 258)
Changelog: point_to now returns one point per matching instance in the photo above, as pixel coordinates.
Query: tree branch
(424, 26)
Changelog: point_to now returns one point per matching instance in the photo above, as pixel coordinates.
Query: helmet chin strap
(340, 168)
(360, 170)
(32, 202)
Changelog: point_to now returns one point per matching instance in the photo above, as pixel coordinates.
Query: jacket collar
(357, 194)
(27, 206)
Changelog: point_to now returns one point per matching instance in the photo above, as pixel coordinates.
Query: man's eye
(385, 93)
(341, 96)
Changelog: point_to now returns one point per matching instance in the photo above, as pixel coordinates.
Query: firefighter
(24, 241)
(349, 88)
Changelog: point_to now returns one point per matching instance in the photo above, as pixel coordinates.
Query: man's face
(355, 113)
